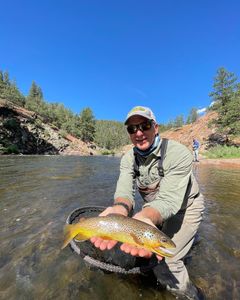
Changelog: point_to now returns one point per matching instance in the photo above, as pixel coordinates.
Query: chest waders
(148, 192)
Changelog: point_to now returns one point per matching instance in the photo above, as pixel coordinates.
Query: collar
(152, 149)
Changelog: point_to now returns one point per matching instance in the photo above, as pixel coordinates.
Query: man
(195, 147)
(171, 200)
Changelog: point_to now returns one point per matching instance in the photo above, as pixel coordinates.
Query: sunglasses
(143, 127)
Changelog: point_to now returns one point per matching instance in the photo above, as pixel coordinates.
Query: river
(38, 192)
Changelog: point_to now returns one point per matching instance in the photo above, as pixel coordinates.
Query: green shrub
(12, 149)
(63, 133)
(108, 152)
(10, 124)
(223, 152)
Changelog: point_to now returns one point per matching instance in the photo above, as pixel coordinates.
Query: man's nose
(139, 132)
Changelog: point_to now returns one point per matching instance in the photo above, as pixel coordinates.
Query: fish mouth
(164, 252)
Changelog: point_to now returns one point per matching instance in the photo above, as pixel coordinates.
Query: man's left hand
(134, 251)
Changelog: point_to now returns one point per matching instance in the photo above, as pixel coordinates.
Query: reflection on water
(38, 192)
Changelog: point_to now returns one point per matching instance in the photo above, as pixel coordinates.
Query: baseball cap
(141, 111)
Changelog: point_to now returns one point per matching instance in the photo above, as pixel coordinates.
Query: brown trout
(121, 229)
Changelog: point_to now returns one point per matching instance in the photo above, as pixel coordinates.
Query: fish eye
(164, 240)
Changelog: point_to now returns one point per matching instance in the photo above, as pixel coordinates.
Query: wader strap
(163, 150)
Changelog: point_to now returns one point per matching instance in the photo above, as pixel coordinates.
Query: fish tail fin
(69, 234)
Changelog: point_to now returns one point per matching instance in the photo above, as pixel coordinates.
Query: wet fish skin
(122, 229)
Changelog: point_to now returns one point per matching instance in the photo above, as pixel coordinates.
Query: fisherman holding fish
(172, 200)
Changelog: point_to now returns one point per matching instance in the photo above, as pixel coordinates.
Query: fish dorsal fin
(136, 239)
(114, 215)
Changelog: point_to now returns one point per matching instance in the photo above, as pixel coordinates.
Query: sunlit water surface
(37, 193)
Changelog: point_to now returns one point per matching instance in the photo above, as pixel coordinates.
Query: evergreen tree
(87, 125)
(2, 85)
(6, 79)
(224, 88)
(179, 121)
(193, 116)
(35, 100)
(110, 134)
(226, 95)
(9, 90)
(229, 116)
(170, 124)
(15, 96)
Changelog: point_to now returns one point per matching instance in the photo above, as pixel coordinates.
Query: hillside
(200, 130)
(25, 132)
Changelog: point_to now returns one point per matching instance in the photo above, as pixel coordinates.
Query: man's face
(142, 139)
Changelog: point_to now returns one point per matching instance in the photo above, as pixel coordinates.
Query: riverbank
(222, 162)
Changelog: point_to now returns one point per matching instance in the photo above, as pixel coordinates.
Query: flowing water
(37, 193)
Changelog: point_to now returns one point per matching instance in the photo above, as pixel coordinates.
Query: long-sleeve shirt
(178, 187)
(196, 145)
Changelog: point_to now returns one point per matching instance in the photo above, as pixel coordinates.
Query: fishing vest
(148, 192)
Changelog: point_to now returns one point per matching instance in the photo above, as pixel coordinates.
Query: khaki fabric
(177, 188)
(182, 228)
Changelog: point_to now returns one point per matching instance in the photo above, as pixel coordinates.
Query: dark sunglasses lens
(132, 129)
(143, 127)
(146, 126)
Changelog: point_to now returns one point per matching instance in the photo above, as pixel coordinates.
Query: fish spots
(121, 229)
(148, 234)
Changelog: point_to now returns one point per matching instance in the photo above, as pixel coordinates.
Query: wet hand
(134, 251)
(114, 210)
(103, 244)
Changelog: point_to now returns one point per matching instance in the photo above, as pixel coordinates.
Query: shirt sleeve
(126, 182)
(177, 172)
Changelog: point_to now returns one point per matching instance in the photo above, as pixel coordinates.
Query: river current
(37, 193)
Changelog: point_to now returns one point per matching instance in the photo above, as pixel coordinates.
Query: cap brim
(137, 114)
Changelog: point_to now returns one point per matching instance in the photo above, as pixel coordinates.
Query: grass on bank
(223, 152)
(108, 152)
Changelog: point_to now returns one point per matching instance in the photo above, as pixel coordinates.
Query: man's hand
(134, 251)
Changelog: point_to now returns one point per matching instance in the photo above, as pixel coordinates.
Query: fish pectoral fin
(136, 239)
(80, 237)
(104, 237)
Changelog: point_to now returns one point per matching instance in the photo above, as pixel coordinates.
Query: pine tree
(226, 97)
(179, 121)
(193, 116)
(9, 90)
(224, 88)
(110, 134)
(87, 125)
(2, 86)
(34, 99)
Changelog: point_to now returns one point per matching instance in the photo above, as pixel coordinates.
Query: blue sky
(113, 55)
